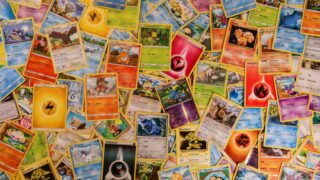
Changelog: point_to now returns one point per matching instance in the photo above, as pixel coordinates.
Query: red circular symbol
(242, 140)
(261, 90)
(177, 63)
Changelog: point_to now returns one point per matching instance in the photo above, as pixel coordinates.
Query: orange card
(240, 144)
(311, 18)
(270, 159)
(271, 61)
(101, 96)
(40, 65)
(240, 43)
(218, 26)
(15, 142)
(124, 58)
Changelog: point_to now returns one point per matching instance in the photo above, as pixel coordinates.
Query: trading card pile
(160, 89)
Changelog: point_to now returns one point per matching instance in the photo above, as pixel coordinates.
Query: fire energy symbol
(49, 107)
(178, 62)
(261, 90)
(242, 140)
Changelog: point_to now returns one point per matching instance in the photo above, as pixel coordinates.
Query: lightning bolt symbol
(49, 107)
(93, 16)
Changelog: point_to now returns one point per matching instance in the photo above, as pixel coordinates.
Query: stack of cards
(160, 89)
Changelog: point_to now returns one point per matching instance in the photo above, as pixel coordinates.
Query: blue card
(179, 171)
(51, 20)
(154, 2)
(232, 7)
(77, 121)
(120, 35)
(215, 154)
(247, 172)
(10, 79)
(312, 161)
(250, 119)
(316, 175)
(295, 2)
(113, 4)
(236, 94)
(94, 47)
(288, 37)
(166, 14)
(277, 134)
(144, 8)
(18, 36)
(197, 27)
(4, 176)
(6, 11)
(87, 157)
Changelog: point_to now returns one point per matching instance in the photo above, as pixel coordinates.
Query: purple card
(36, 14)
(182, 114)
(314, 103)
(294, 108)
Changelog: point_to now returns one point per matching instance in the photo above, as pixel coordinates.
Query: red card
(259, 88)
(184, 55)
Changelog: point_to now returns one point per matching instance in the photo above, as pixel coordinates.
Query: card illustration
(233, 8)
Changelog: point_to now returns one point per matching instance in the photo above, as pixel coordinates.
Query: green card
(263, 16)
(209, 78)
(126, 19)
(38, 149)
(156, 46)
